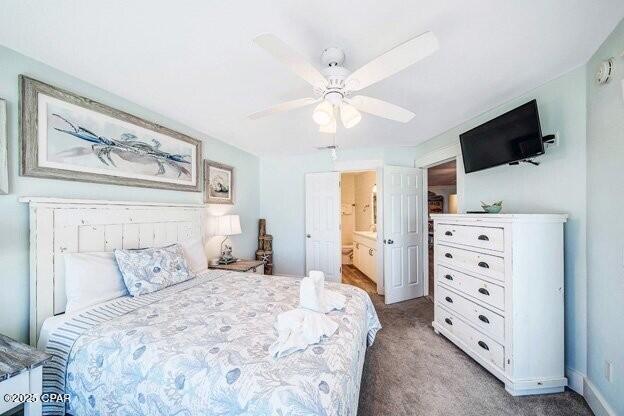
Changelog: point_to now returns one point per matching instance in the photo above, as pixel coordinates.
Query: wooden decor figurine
(265, 247)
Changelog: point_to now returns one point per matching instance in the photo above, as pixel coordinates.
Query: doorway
(358, 218)
(441, 199)
(396, 251)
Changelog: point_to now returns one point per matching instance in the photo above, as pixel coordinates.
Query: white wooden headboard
(59, 226)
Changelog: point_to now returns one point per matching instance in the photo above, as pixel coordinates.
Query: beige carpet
(412, 371)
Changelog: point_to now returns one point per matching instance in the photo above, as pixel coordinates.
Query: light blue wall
(14, 280)
(605, 224)
(283, 199)
(557, 185)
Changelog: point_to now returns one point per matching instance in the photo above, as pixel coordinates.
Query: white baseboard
(578, 382)
(595, 400)
(575, 380)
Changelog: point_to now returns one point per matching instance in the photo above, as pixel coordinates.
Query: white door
(323, 246)
(401, 230)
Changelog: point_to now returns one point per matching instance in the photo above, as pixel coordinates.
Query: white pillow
(195, 255)
(91, 278)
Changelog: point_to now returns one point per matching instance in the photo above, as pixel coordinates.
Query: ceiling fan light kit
(334, 85)
(349, 115)
(323, 113)
(329, 128)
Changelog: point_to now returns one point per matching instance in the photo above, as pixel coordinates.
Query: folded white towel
(314, 296)
(299, 328)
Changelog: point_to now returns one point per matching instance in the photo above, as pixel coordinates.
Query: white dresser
(499, 295)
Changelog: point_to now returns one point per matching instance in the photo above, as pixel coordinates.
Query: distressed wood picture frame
(218, 183)
(67, 136)
(4, 149)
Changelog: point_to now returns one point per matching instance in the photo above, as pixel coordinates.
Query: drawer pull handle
(483, 237)
(448, 277)
(484, 265)
(483, 345)
(450, 234)
(448, 255)
(483, 318)
(370, 251)
(484, 291)
(448, 321)
(448, 299)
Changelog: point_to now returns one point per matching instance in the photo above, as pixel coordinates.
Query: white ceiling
(194, 61)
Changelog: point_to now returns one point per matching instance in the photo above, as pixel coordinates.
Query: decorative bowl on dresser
(247, 266)
(499, 295)
(20, 376)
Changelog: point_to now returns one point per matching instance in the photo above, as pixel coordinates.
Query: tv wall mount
(548, 139)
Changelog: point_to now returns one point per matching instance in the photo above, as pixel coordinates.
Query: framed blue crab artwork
(67, 136)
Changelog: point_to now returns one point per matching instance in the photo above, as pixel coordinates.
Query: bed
(196, 348)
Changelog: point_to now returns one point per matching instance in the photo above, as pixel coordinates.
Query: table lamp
(227, 225)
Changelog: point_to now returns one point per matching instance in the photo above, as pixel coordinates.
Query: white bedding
(90, 279)
(51, 324)
(202, 347)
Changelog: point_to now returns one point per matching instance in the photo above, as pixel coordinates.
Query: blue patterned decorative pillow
(150, 269)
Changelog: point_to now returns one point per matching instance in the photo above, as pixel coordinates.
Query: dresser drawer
(479, 344)
(472, 286)
(482, 237)
(471, 261)
(18, 384)
(479, 317)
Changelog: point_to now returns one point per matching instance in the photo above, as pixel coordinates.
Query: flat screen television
(513, 136)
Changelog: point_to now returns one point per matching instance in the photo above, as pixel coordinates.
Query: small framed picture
(218, 183)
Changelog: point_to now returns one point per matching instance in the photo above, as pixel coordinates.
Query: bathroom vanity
(365, 253)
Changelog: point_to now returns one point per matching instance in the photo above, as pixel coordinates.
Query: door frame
(431, 159)
(345, 166)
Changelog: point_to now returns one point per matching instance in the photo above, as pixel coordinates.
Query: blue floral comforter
(201, 348)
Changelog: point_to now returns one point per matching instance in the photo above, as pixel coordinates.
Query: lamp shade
(349, 115)
(323, 113)
(228, 225)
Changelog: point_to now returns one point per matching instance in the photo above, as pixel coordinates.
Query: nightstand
(247, 266)
(20, 373)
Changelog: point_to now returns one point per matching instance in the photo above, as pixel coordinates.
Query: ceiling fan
(334, 85)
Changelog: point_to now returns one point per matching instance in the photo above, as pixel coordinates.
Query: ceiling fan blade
(330, 127)
(287, 106)
(292, 59)
(381, 108)
(393, 61)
